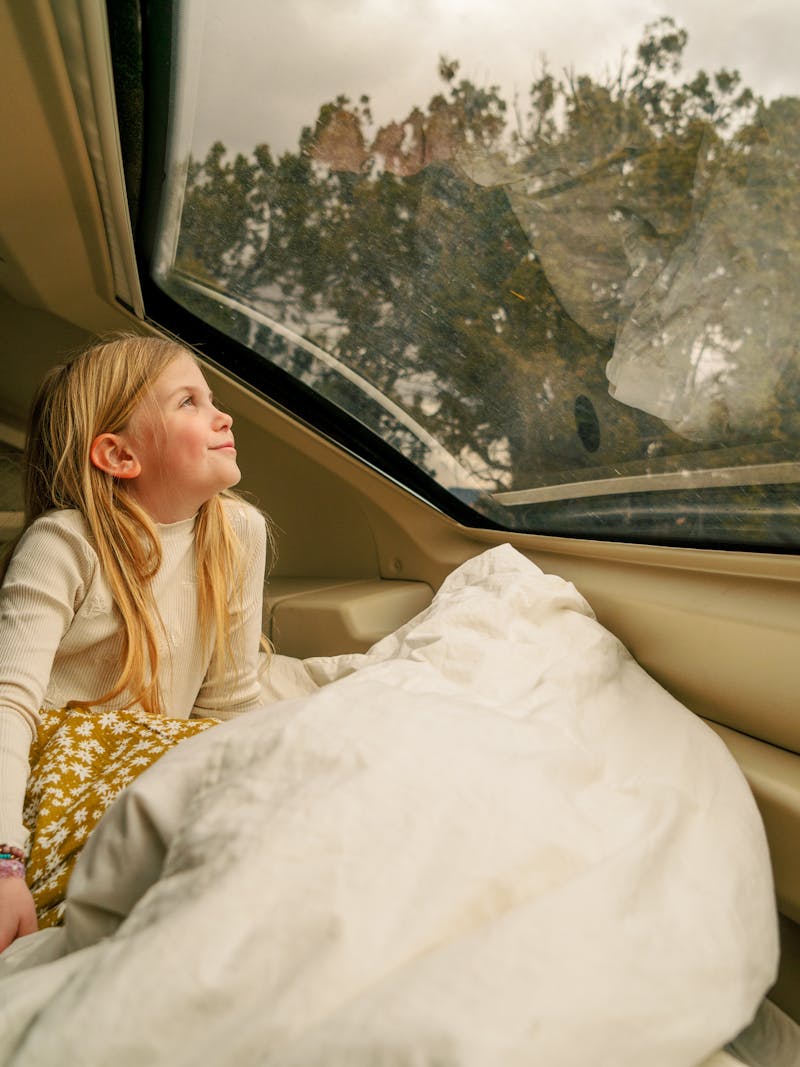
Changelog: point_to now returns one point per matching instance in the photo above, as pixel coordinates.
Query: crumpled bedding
(492, 839)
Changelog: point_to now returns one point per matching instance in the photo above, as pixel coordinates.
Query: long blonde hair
(96, 392)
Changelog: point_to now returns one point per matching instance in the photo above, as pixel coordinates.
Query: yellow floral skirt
(80, 761)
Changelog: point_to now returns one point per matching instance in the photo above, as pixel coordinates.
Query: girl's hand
(17, 911)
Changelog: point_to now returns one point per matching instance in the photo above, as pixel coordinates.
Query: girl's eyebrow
(189, 389)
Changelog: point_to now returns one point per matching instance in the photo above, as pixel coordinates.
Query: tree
(481, 267)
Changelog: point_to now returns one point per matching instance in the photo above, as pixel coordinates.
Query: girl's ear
(109, 453)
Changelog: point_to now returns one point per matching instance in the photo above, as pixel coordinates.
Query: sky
(265, 66)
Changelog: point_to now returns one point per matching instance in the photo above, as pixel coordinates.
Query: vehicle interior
(679, 524)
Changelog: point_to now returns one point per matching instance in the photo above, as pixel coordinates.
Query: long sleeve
(45, 583)
(15, 743)
(238, 688)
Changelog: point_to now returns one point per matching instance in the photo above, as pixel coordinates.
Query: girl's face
(181, 443)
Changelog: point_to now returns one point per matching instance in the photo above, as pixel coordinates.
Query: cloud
(266, 68)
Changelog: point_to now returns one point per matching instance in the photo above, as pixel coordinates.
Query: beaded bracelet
(12, 862)
(12, 869)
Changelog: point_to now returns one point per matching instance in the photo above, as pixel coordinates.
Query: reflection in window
(594, 284)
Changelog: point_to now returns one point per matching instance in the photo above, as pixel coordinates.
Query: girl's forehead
(182, 370)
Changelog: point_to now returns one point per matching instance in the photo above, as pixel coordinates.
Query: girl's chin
(235, 478)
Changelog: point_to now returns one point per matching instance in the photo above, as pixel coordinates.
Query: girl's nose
(223, 419)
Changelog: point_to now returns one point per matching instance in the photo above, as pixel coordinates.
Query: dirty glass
(551, 256)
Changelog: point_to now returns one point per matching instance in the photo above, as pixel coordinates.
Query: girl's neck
(177, 525)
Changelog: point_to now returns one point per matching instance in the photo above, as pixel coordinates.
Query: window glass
(549, 253)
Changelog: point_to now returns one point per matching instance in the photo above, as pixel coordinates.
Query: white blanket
(492, 840)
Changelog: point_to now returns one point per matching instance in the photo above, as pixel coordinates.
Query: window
(552, 258)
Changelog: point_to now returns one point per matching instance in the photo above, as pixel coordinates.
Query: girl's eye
(187, 401)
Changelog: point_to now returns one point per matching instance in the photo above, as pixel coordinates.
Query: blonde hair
(96, 392)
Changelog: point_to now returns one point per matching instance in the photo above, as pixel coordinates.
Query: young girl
(137, 582)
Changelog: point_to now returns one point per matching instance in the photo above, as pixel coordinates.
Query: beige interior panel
(774, 777)
(318, 618)
(786, 991)
(720, 1059)
(319, 523)
(31, 341)
(54, 254)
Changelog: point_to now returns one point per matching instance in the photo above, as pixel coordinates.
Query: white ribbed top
(60, 636)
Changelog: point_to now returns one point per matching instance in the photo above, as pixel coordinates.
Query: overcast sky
(267, 65)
